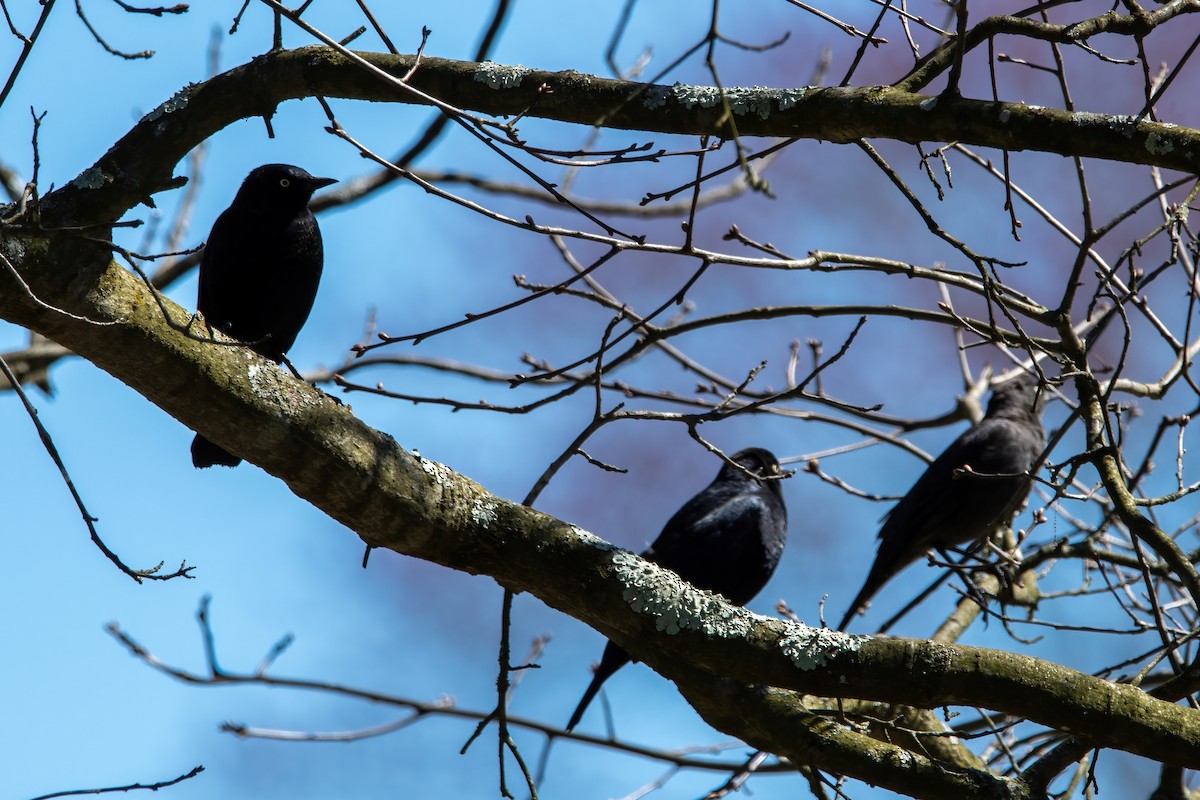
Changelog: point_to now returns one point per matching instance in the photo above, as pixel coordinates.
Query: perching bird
(949, 506)
(727, 539)
(260, 270)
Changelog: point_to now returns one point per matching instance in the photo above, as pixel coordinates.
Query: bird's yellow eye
(284, 182)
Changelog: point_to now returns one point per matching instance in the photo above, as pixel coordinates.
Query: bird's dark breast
(736, 564)
(1006, 450)
(277, 277)
(295, 276)
(980, 501)
(747, 571)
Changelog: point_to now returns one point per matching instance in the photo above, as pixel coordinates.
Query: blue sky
(82, 713)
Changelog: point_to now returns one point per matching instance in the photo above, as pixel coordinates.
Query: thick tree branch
(58, 283)
(779, 722)
(393, 499)
(143, 162)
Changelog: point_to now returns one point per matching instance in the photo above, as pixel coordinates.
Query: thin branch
(153, 787)
(48, 443)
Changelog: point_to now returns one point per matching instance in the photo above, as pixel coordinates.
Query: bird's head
(1022, 393)
(756, 461)
(279, 188)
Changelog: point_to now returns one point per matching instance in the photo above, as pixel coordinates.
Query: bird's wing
(219, 267)
(726, 542)
(994, 447)
(701, 520)
(928, 503)
(1004, 446)
(613, 659)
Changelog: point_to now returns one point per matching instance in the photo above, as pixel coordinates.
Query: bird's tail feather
(878, 576)
(207, 454)
(586, 700)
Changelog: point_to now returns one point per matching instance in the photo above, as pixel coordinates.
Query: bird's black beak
(318, 183)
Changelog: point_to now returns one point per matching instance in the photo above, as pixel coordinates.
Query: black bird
(948, 507)
(727, 539)
(260, 271)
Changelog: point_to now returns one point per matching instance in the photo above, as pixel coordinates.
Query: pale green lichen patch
(1121, 123)
(483, 512)
(1087, 118)
(755, 100)
(790, 97)
(581, 79)
(178, 100)
(270, 382)
(691, 96)
(500, 76)
(1158, 144)
(261, 380)
(90, 178)
(741, 100)
(592, 540)
(809, 648)
(439, 472)
(675, 604)
(655, 95)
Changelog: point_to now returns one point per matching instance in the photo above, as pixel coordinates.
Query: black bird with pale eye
(727, 539)
(976, 485)
(260, 271)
